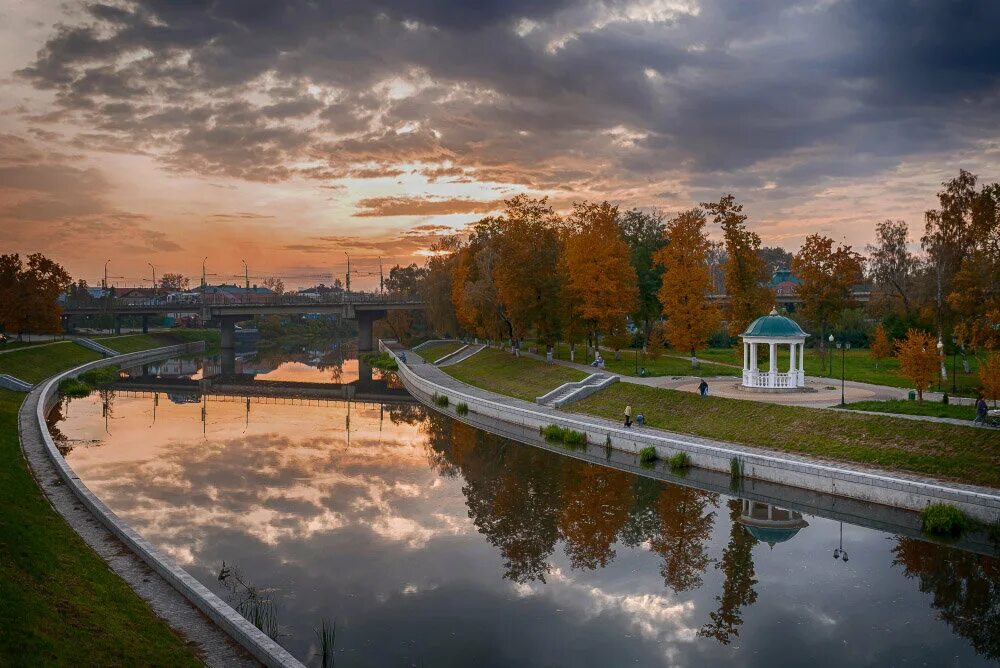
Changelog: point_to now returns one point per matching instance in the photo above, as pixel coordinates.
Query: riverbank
(854, 480)
(61, 604)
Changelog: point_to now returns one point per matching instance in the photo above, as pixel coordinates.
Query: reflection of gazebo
(770, 524)
(774, 330)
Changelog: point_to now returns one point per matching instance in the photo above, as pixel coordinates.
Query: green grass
(499, 371)
(34, 364)
(133, 343)
(966, 454)
(941, 519)
(436, 351)
(929, 408)
(60, 604)
(666, 365)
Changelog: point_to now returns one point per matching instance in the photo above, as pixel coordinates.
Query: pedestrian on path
(628, 416)
(981, 409)
(703, 388)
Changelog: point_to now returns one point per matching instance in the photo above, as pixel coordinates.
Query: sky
(289, 134)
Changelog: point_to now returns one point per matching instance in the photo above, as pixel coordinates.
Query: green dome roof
(771, 535)
(774, 325)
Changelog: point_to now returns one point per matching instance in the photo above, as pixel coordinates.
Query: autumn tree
(274, 284)
(918, 358)
(827, 276)
(29, 293)
(599, 275)
(407, 281)
(880, 346)
(526, 272)
(174, 282)
(473, 289)
(597, 502)
(691, 316)
(436, 287)
(989, 375)
(645, 234)
(746, 272)
(657, 342)
(892, 268)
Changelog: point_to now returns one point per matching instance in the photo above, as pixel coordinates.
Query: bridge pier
(228, 327)
(366, 339)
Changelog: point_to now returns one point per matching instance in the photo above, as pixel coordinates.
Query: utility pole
(154, 277)
(105, 284)
(246, 273)
(381, 278)
(348, 270)
(204, 284)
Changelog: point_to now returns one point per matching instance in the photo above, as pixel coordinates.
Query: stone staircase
(90, 344)
(569, 392)
(460, 355)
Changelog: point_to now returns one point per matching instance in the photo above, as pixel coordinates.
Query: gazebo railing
(752, 378)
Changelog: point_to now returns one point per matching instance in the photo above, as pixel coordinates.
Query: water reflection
(434, 543)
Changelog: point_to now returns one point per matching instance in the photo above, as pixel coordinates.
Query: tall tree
(691, 316)
(437, 286)
(29, 293)
(746, 272)
(775, 257)
(989, 375)
(892, 268)
(174, 282)
(880, 346)
(526, 272)
(645, 234)
(599, 275)
(826, 276)
(473, 289)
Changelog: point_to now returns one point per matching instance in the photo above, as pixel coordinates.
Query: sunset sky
(288, 133)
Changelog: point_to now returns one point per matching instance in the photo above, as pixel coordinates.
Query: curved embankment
(841, 480)
(160, 586)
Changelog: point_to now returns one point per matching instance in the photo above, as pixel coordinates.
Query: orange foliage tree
(880, 346)
(29, 292)
(989, 375)
(599, 275)
(746, 272)
(691, 317)
(918, 359)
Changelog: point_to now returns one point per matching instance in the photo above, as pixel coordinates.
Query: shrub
(941, 519)
(380, 361)
(679, 462)
(441, 400)
(73, 387)
(648, 455)
(553, 432)
(462, 408)
(572, 437)
(735, 473)
(944, 398)
(101, 376)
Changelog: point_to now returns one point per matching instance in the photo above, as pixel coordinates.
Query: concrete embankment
(227, 639)
(837, 479)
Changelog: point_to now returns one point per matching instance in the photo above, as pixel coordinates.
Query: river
(431, 543)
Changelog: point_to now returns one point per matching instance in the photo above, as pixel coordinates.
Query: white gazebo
(774, 330)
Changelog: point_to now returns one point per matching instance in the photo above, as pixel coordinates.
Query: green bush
(441, 400)
(571, 437)
(553, 432)
(462, 408)
(941, 519)
(380, 361)
(679, 462)
(73, 387)
(648, 455)
(101, 376)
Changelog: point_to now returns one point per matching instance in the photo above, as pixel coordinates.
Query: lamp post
(840, 552)
(954, 365)
(843, 346)
(381, 276)
(348, 284)
(204, 284)
(246, 274)
(154, 278)
(105, 286)
(940, 349)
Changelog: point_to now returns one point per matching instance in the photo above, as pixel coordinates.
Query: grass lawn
(626, 366)
(60, 604)
(131, 343)
(965, 454)
(436, 351)
(35, 363)
(501, 372)
(931, 408)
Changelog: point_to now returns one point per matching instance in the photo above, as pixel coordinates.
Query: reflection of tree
(965, 586)
(405, 413)
(685, 526)
(737, 589)
(597, 507)
(643, 521)
(52, 420)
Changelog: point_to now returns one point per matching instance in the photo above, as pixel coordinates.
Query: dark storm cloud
(552, 94)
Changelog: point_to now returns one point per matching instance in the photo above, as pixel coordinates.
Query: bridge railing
(188, 300)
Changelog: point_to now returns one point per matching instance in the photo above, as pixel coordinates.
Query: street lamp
(246, 273)
(348, 286)
(844, 346)
(204, 284)
(154, 278)
(840, 552)
(105, 286)
(940, 349)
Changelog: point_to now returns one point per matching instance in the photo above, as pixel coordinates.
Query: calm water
(434, 544)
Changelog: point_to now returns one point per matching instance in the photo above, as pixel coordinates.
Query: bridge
(226, 310)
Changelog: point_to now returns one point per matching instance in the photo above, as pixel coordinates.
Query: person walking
(981, 409)
(703, 388)
(628, 415)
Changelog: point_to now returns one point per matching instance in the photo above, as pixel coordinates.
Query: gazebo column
(793, 380)
(802, 368)
(773, 365)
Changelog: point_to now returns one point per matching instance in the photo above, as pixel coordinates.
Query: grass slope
(436, 351)
(965, 454)
(501, 372)
(626, 366)
(132, 343)
(930, 408)
(34, 364)
(59, 602)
